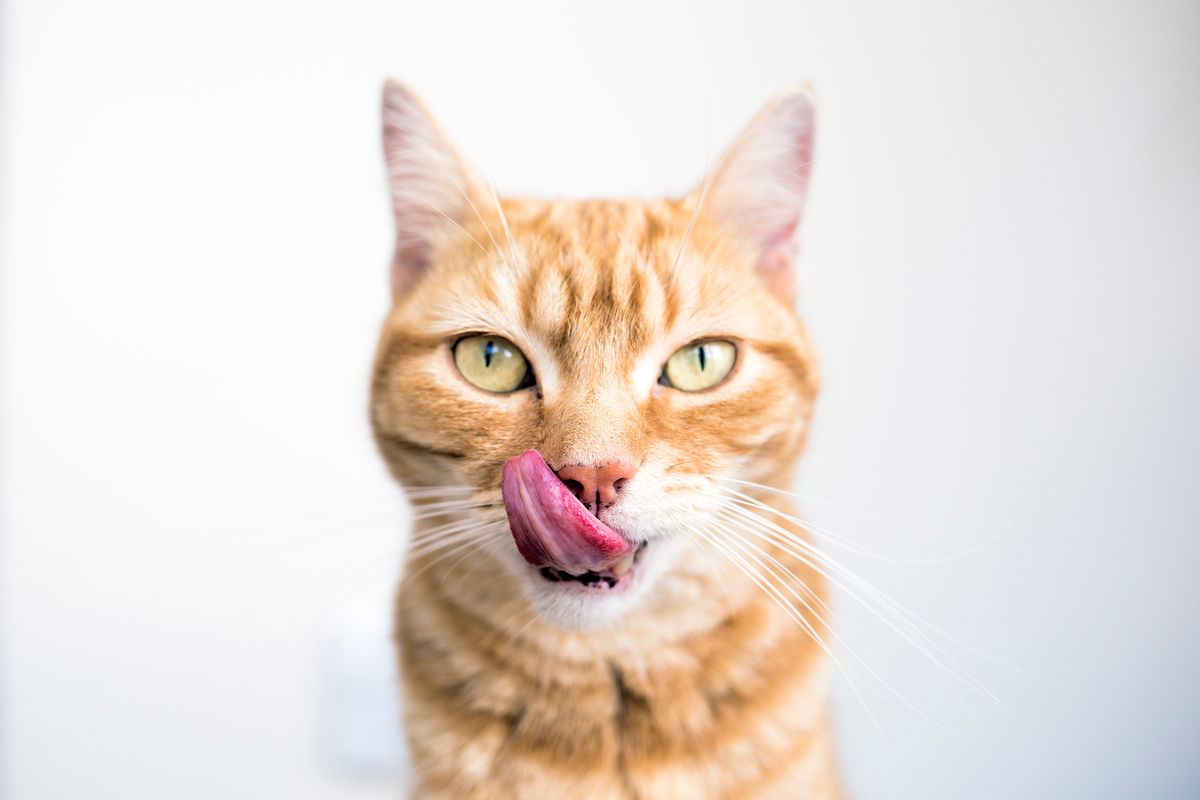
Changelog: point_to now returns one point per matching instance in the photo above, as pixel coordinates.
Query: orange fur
(699, 685)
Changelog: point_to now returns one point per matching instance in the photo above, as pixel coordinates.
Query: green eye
(699, 366)
(492, 363)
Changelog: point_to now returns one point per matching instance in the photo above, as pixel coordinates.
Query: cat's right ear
(756, 194)
(431, 185)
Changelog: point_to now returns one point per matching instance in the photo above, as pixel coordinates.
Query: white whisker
(787, 573)
(898, 619)
(825, 532)
(512, 243)
(465, 548)
(891, 690)
(788, 609)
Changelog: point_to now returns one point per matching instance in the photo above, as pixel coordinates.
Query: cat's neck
(665, 703)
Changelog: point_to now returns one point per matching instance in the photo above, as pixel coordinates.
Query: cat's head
(569, 389)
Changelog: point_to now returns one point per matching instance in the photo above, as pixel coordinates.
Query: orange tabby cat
(589, 404)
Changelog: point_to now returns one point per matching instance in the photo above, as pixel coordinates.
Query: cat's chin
(591, 599)
(616, 579)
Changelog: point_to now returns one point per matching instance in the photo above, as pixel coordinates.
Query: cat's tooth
(622, 566)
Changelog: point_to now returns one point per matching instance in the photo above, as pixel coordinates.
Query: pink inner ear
(759, 190)
(778, 248)
(776, 265)
(428, 183)
(408, 264)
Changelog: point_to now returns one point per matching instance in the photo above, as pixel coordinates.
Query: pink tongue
(552, 528)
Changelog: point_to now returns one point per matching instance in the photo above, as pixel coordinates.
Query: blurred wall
(1001, 271)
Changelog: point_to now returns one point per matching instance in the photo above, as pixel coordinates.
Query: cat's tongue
(551, 527)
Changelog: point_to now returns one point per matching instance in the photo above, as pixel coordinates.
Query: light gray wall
(1001, 271)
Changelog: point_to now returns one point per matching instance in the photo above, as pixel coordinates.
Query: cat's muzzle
(556, 533)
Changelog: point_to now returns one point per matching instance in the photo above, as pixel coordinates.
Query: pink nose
(597, 486)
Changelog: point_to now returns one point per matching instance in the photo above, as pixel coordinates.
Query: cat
(594, 407)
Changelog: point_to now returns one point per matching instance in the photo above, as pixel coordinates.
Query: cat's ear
(756, 193)
(431, 186)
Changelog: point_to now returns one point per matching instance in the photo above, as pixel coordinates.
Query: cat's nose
(597, 485)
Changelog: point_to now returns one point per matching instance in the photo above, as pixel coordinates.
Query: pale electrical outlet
(362, 700)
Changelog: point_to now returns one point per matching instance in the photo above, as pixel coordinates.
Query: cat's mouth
(558, 535)
(620, 574)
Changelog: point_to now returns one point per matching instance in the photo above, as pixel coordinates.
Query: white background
(1001, 271)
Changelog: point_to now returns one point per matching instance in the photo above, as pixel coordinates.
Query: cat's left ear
(431, 185)
(756, 193)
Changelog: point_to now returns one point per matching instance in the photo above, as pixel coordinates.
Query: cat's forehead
(596, 275)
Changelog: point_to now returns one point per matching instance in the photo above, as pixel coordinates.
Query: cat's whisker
(687, 231)
(418, 491)
(417, 501)
(785, 575)
(729, 603)
(357, 518)
(420, 549)
(354, 516)
(433, 499)
(467, 196)
(431, 540)
(429, 530)
(531, 617)
(424, 535)
(827, 535)
(420, 546)
(826, 615)
(414, 569)
(424, 532)
(788, 493)
(428, 546)
(816, 529)
(825, 610)
(898, 618)
(427, 559)
(771, 590)
(776, 569)
(465, 548)
(512, 242)
(409, 192)
(780, 570)
(451, 515)
(454, 222)
(441, 509)
(901, 621)
(526, 613)
(780, 600)
(803, 550)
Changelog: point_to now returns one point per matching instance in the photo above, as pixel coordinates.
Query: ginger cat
(590, 405)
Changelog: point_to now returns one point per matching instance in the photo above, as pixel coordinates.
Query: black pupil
(489, 350)
(700, 354)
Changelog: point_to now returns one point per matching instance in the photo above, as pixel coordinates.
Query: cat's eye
(699, 366)
(492, 363)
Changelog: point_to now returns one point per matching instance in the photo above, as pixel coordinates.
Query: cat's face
(646, 351)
